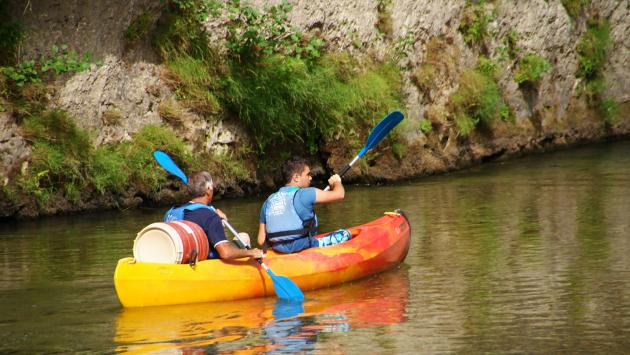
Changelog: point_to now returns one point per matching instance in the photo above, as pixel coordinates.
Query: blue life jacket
(176, 213)
(282, 220)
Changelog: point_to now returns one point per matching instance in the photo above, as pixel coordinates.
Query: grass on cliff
(575, 7)
(475, 22)
(65, 162)
(530, 68)
(477, 101)
(283, 100)
(592, 52)
(285, 91)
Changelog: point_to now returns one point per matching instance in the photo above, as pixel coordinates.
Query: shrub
(475, 21)
(253, 34)
(592, 49)
(487, 67)
(283, 100)
(59, 153)
(530, 68)
(477, 100)
(64, 160)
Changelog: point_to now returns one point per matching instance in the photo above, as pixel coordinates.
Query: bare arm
(229, 251)
(336, 192)
(262, 233)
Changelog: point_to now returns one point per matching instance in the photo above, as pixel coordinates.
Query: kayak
(374, 247)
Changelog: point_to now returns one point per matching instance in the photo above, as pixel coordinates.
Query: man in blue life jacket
(287, 220)
(199, 211)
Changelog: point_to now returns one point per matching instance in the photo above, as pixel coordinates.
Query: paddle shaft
(378, 133)
(231, 228)
(345, 170)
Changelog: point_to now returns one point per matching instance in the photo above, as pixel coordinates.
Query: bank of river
(530, 255)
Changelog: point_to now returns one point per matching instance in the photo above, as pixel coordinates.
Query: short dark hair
(199, 182)
(292, 166)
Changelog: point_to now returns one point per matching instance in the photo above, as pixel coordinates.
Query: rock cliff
(123, 94)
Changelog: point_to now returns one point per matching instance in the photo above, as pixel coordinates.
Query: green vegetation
(475, 21)
(254, 34)
(510, 49)
(59, 60)
(277, 80)
(477, 101)
(609, 109)
(592, 52)
(286, 91)
(592, 49)
(194, 84)
(283, 100)
(65, 162)
(575, 7)
(426, 126)
(530, 68)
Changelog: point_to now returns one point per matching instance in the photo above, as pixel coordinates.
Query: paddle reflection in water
(265, 325)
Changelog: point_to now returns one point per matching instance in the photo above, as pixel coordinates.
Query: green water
(526, 256)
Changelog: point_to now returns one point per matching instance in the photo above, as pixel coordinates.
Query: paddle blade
(169, 165)
(285, 288)
(381, 130)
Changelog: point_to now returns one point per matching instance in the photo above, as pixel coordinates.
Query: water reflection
(526, 256)
(265, 325)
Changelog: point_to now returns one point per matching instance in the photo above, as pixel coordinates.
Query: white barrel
(173, 242)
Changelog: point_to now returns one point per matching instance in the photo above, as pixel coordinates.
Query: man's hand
(221, 214)
(256, 253)
(335, 179)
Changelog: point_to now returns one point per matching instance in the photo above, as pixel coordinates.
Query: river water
(526, 256)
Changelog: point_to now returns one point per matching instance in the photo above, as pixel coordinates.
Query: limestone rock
(13, 148)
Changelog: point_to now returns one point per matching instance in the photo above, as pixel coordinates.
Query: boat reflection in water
(265, 324)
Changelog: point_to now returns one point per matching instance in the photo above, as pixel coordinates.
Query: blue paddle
(378, 133)
(284, 287)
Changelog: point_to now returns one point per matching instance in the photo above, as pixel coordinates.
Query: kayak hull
(375, 246)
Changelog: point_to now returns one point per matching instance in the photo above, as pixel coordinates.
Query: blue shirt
(211, 224)
(303, 203)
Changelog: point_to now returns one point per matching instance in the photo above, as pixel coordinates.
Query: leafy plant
(487, 66)
(22, 73)
(59, 60)
(592, 49)
(475, 21)
(426, 126)
(530, 68)
(253, 33)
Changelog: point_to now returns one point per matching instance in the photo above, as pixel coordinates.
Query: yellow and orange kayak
(375, 246)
